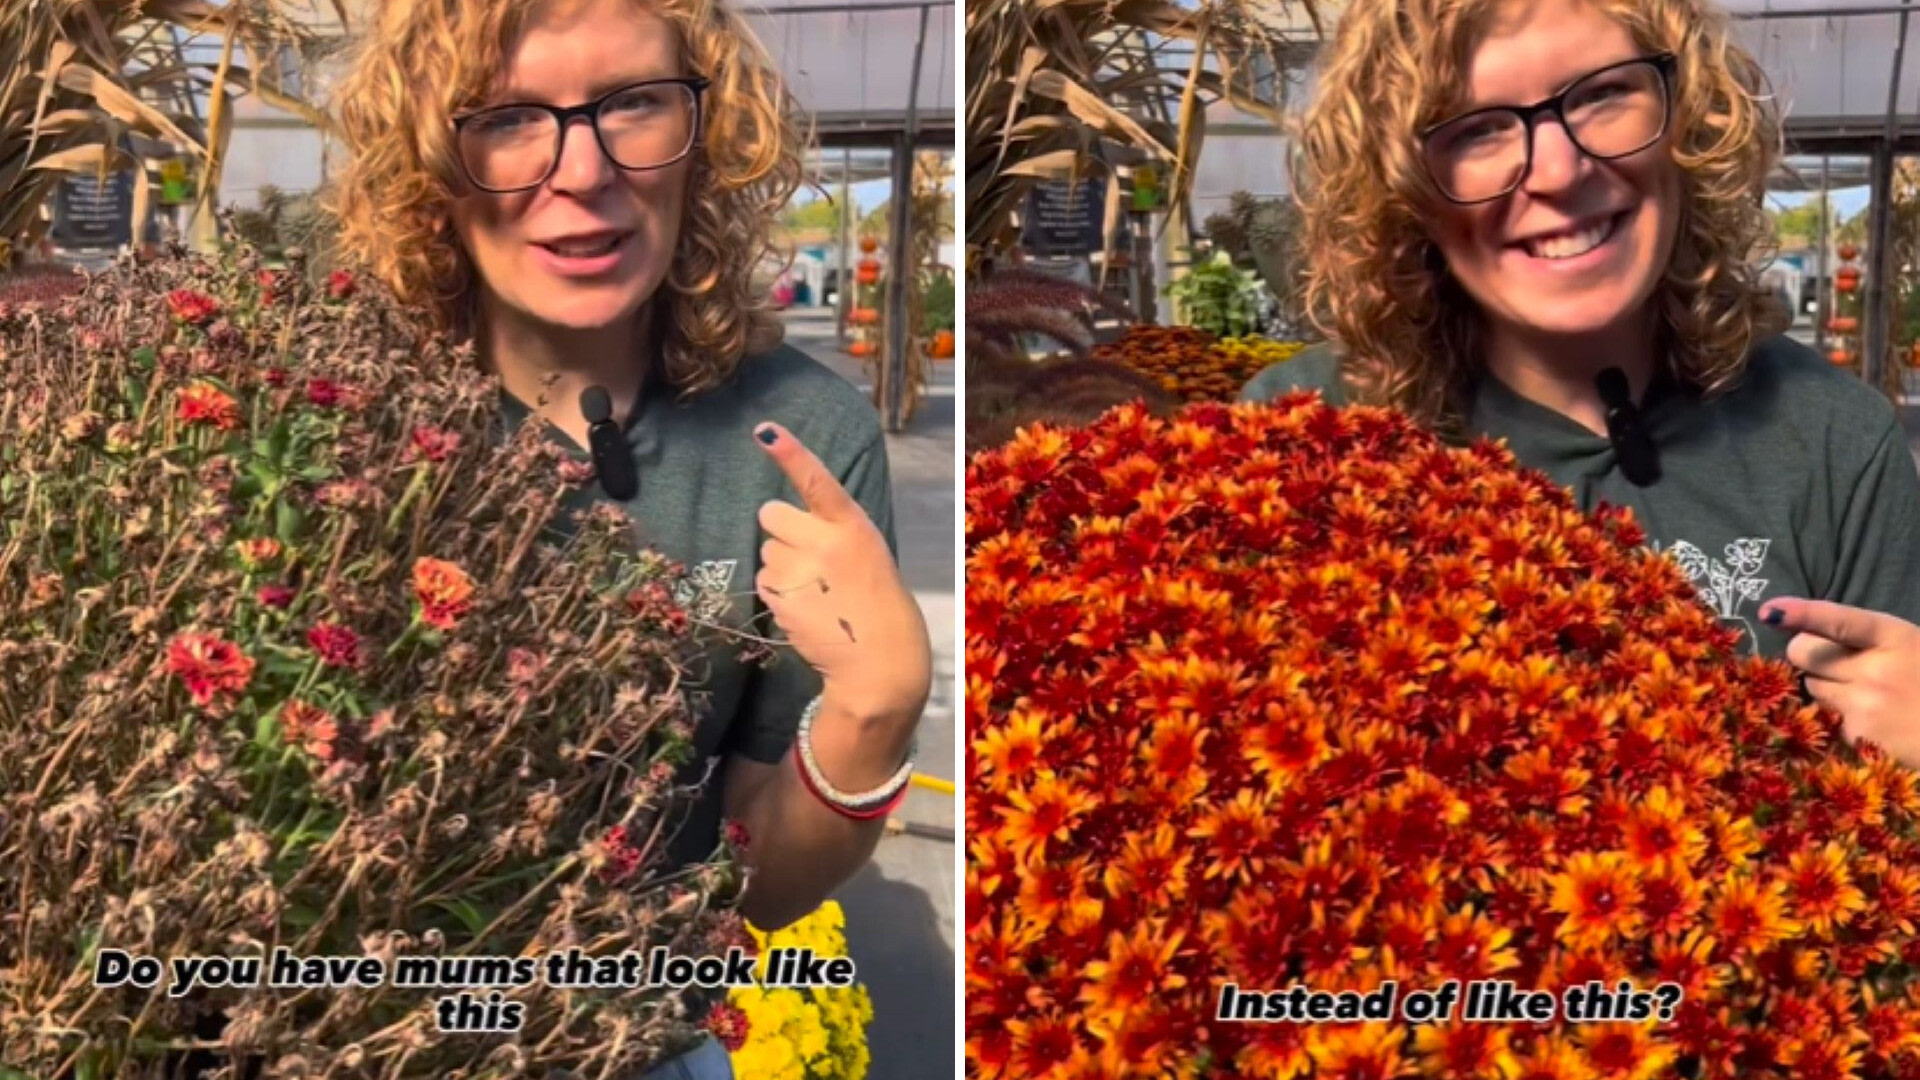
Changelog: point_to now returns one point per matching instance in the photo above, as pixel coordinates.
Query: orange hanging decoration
(867, 272)
(869, 245)
(1847, 279)
(1848, 252)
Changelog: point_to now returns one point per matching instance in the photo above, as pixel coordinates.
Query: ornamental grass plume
(293, 652)
(1278, 694)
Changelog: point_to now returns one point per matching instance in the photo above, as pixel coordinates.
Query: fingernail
(1774, 617)
(767, 435)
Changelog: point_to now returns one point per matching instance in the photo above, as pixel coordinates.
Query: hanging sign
(1065, 219)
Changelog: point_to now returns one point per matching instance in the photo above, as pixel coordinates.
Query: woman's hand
(1861, 664)
(830, 581)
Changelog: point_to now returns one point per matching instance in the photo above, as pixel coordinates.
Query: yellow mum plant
(818, 1033)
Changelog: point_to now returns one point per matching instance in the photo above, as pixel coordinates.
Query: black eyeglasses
(644, 125)
(1620, 109)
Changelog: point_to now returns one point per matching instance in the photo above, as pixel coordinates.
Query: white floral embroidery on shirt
(1726, 588)
(704, 590)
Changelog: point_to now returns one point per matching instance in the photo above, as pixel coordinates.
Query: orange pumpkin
(1913, 357)
(1840, 358)
(1849, 252)
(864, 316)
(859, 348)
(1847, 279)
(942, 346)
(869, 245)
(867, 272)
(1843, 324)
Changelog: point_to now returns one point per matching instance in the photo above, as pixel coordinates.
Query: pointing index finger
(1855, 628)
(824, 496)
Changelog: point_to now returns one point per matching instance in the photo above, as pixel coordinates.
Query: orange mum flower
(1750, 915)
(1598, 894)
(444, 592)
(1822, 890)
(210, 666)
(1625, 1051)
(1135, 969)
(205, 403)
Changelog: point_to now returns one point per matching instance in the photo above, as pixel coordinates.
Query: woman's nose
(1556, 158)
(583, 166)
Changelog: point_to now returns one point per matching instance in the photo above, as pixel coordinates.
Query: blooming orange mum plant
(299, 648)
(1283, 695)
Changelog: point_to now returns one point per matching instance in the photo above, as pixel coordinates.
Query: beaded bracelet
(862, 806)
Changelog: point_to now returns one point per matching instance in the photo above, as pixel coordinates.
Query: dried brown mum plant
(298, 648)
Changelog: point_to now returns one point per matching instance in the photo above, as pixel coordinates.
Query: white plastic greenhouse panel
(855, 67)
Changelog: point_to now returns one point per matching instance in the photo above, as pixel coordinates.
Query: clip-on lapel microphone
(1639, 459)
(608, 445)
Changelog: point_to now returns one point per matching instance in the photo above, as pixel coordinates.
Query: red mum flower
(434, 444)
(192, 307)
(729, 1025)
(324, 392)
(337, 645)
(444, 591)
(209, 665)
(205, 403)
(736, 834)
(274, 596)
(340, 285)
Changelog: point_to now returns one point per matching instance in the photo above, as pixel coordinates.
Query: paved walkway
(901, 907)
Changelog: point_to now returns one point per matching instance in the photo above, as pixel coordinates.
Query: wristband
(860, 806)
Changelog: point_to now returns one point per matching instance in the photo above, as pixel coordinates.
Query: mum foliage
(1278, 694)
(291, 654)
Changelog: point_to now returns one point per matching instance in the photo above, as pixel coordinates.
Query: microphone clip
(608, 445)
(1626, 430)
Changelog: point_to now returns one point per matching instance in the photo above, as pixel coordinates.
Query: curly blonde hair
(1410, 333)
(422, 61)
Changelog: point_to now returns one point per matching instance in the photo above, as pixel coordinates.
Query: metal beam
(1879, 248)
(894, 366)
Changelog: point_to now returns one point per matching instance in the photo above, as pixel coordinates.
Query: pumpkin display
(1839, 358)
(1848, 252)
(941, 347)
(859, 348)
(869, 245)
(867, 272)
(1843, 324)
(864, 316)
(1847, 279)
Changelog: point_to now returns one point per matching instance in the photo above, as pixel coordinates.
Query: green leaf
(316, 473)
(279, 441)
(468, 915)
(145, 356)
(286, 522)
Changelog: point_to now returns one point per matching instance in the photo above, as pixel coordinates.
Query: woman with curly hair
(585, 190)
(1521, 217)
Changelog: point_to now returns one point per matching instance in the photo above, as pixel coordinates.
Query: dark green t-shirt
(1797, 482)
(703, 479)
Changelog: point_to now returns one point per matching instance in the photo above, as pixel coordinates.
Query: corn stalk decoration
(69, 94)
(1052, 83)
(932, 221)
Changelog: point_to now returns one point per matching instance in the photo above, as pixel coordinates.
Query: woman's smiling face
(1581, 244)
(569, 54)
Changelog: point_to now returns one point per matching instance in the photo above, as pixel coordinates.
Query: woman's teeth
(584, 251)
(1566, 247)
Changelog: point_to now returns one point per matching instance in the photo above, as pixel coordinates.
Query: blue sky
(866, 194)
(1846, 201)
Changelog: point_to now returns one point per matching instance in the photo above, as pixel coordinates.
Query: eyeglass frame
(1556, 106)
(591, 110)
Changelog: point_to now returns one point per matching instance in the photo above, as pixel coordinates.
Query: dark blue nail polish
(1774, 617)
(767, 435)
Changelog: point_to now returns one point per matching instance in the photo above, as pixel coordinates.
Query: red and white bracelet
(861, 806)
